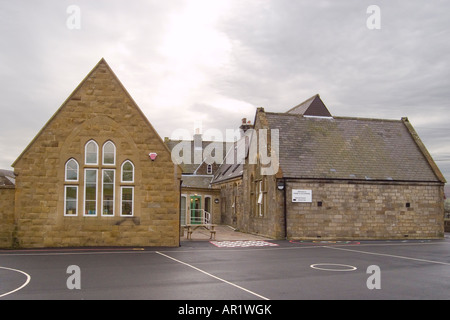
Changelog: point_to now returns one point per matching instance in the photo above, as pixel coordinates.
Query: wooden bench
(192, 227)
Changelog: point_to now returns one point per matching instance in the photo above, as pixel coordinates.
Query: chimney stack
(245, 125)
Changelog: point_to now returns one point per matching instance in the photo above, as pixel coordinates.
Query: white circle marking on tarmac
(22, 286)
(337, 267)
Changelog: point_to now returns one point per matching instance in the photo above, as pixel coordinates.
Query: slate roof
(7, 179)
(233, 164)
(190, 168)
(229, 171)
(313, 106)
(196, 181)
(349, 148)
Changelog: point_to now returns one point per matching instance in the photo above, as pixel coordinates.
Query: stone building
(200, 201)
(337, 178)
(7, 192)
(86, 179)
(98, 174)
(228, 178)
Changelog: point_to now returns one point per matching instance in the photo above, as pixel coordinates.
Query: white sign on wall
(301, 195)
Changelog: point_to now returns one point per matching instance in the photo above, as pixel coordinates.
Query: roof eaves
(437, 172)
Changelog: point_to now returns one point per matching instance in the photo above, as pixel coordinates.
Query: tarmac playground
(233, 267)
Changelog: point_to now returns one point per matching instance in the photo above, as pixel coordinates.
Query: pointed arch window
(71, 170)
(127, 190)
(109, 153)
(127, 172)
(71, 188)
(91, 152)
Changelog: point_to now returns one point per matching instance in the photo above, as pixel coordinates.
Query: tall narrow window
(126, 201)
(91, 152)
(70, 200)
(209, 169)
(127, 171)
(71, 170)
(109, 153)
(108, 192)
(183, 210)
(208, 204)
(90, 192)
(252, 196)
(260, 198)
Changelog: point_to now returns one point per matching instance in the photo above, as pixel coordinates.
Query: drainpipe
(281, 185)
(285, 210)
(179, 216)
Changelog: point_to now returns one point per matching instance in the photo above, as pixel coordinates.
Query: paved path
(223, 233)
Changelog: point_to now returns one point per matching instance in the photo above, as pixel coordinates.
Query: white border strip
(213, 276)
(22, 286)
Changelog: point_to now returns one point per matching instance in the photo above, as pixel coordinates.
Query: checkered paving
(243, 244)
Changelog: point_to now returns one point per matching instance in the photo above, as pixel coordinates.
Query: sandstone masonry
(99, 110)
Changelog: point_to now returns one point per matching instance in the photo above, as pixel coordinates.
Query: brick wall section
(6, 217)
(366, 211)
(99, 109)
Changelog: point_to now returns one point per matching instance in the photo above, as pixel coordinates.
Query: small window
(71, 170)
(126, 201)
(91, 152)
(109, 153)
(127, 171)
(209, 169)
(71, 200)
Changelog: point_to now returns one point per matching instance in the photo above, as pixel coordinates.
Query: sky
(213, 62)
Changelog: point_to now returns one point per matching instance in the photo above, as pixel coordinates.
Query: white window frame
(132, 201)
(103, 153)
(210, 203)
(121, 172)
(260, 201)
(96, 193)
(85, 153)
(65, 170)
(114, 193)
(65, 201)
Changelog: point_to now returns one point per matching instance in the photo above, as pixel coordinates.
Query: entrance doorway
(196, 209)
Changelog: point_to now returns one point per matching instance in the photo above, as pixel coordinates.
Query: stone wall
(231, 202)
(6, 217)
(101, 110)
(341, 210)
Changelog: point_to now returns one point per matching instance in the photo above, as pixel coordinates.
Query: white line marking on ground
(22, 286)
(334, 267)
(389, 255)
(213, 276)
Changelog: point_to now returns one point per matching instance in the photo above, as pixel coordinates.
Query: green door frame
(195, 208)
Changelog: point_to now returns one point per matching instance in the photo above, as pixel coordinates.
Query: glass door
(196, 209)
